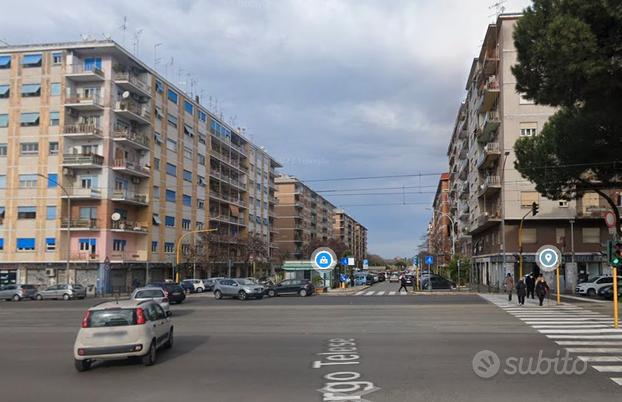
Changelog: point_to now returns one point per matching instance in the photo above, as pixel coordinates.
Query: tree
(339, 247)
(569, 54)
(375, 260)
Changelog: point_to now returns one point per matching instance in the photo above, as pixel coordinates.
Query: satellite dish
(125, 95)
(115, 217)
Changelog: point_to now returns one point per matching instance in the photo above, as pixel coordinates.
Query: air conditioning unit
(136, 180)
(50, 272)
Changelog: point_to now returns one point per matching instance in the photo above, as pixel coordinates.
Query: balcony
(490, 154)
(489, 64)
(133, 111)
(464, 150)
(85, 103)
(486, 221)
(130, 82)
(227, 179)
(128, 227)
(464, 214)
(463, 170)
(129, 197)
(489, 94)
(82, 131)
(226, 198)
(131, 138)
(82, 73)
(132, 168)
(490, 124)
(80, 224)
(238, 148)
(490, 186)
(227, 219)
(464, 191)
(83, 161)
(77, 193)
(462, 129)
(126, 256)
(226, 159)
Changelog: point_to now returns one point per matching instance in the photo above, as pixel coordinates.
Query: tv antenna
(499, 8)
(137, 41)
(123, 28)
(156, 59)
(167, 65)
(4, 42)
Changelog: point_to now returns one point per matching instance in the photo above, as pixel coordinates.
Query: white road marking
(584, 336)
(601, 359)
(403, 293)
(609, 369)
(370, 293)
(594, 350)
(392, 293)
(359, 293)
(617, 380)
(580, 331)
(588, 343)
(380, 293)
(565, 326)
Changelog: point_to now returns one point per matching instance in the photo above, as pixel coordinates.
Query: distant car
(369, 280)
(606, 292)
(173, 291)
(18, 292)
(240, 288)
(438, 283)
(382, 277)
(196, 285)
(118, 330)
(211, 282)
(65, 292)
(301, 287)
(156, 294)
(394, 277)
(591, 287)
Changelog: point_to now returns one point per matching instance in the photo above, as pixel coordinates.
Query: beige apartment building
(352, 234)
(104, 165)
(440, 235)
(489, 197)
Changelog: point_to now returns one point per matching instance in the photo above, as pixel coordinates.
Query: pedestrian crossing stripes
(379, 293)
(588, 335)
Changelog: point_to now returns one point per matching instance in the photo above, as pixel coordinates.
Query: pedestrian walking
(509, 285)
(531, 285)
(403, 284)
(521, 291)
(542, 289)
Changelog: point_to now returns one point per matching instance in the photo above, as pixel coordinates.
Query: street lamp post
(178, 250)
(453, 236)
(505, 158)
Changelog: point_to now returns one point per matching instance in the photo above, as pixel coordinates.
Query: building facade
(489, 198)
(106, 165)
(441, 234)
(352, 234)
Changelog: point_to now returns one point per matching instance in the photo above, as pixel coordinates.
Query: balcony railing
(124, 195)
(80, 224)
(82, 129)
(133, 108)
(85, 69)
(226, 197)
(78, 192)
(128, 256)
(130, 135)
(128, 226)
(83, 159)
(85, 100)
(132, 166)
(132, 79)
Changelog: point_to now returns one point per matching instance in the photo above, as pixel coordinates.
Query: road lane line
(588, 343)
(370, 293)
(601, 359)
(359, 293)
(594, 350)
(580, 331)
(582, 326)
(608, 369)
(584, 336)
(380, 293)
(617, 380)
(392, 293)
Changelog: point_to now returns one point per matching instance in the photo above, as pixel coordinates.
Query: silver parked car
(63, 291)
(18, 292)
(152, 293)
(240, 288)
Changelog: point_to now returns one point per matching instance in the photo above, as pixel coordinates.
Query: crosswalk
(379, 293)
(588, 335)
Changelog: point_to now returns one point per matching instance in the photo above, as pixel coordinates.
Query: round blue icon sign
(323, 259)
(548, 258)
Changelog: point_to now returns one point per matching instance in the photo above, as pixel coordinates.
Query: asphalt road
(383, 348)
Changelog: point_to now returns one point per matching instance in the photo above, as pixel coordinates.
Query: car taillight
(140, 316)
(165, 293)
(165, 300)
(85, 320)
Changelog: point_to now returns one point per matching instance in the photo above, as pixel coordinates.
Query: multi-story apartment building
(352, 234)
(302, 216)
(106, 165)
(441, 236)
(489, 197)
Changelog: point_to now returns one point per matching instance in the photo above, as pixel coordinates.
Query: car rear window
(112, 318)
(147, 294)
(172, 288)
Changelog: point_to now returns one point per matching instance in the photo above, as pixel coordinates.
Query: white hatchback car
(197, 284)
(118, 330)
(591, 287)
(152, 293)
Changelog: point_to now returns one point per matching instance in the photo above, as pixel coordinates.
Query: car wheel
(169, 342)
(200, 290)
(82, 365)
(302, 292)
(591, 292)
(66, 296)
(218, 294)
(242, 295)
(271, 293)
(150, 358)
(39, 297)
(16, 298)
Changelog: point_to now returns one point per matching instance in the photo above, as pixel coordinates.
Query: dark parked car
(369, 280)
(438, 283)
(606, 292)
(382, 277)
(174, 291)
(301, 287)
(188, 287)
(410, 280)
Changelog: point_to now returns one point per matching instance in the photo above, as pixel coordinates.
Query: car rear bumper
(109, 352)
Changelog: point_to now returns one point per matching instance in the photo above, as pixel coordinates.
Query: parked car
(410, 280)
(211, 282)
(591, 287)
(369, 280)
(301, 287)
(394, 277)
(606, 292)
(239, 287)
(438, 283)
(188, 287)
(122, 329)
(18, 292)
(196, 285)
(382, 277)
(156, 294)
(64, 291)
(173, 291)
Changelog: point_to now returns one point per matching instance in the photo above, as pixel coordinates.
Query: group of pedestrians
(527, 287)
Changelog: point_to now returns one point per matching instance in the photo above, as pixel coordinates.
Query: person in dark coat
(530, 285)
(521, 291)
(542, 289)
(403, 284)
(509, 285)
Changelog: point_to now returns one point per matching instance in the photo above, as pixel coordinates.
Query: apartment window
(202, 139)
(156, 219)
(50, 243)
(1, 244)
(26, 212)
(154, 246)
(29, 148)
(55, 89)
(119, 244)
(201, 180)
(159, 87)
(188, 130)
(157, 138)
(530, 236)
(591, 235)
(200, 204)
(170, 196)
(560, 235)
(4, 120)
(169, 221)
(50, 212)
(524, 101)
(202, 116)
(5, 62)
(169, 247)
(171, 145)
(25, 244)
(57, 58)
(171, 169)
(172, 120)
(156, 163)
(54, 118)
(1, 215)
(92, 63)
(31, 60)
(527, 198)
(528, 129)
(201, 159)
(89, 245)
(88, 213)
(188, 107)
(187, 152)
(187, 175)
(5, 91)
(31, 90)
(158, 112)
(53, 148)
(185, 224)
(563, 204)
(29, 119)
(52, 180)
(156, 192)
(187, 200)
(589, 201)
(172, 96)
(2, 181)
(27, 180)
(199, 225)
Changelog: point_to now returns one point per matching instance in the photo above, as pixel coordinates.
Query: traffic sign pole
(614, 271)
(557, 280)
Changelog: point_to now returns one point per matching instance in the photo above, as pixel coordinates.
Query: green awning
(297, 265)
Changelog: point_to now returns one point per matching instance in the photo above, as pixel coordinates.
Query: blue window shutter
(93, 242)
(92, 62)
(29, 117)
(52, 180)
(172, 96)
(188, 107)
(30, 88)
(1, 244)
(25, 243)
(31, 59)
(5, 61)
(50, 241)
(4, 89)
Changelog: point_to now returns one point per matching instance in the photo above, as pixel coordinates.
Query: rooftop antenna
(498, 7)
(137, 41)
(107, 36)
(156, 59)
(84, 37)
(4, 42)
(123, 28)
(170, 63)
(179, 72)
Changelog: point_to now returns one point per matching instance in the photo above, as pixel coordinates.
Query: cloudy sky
(332, 88)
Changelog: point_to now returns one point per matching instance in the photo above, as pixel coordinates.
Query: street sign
(344, 278)
(344, 261)
(429, 259)
(107, 264)
(365, 264)
(610, 219)
(351, 261)
(548, 258)
(323, 259)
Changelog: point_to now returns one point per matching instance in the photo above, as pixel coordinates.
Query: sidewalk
(344, 292)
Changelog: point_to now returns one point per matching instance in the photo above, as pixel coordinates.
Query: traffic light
(616, 254)
(606, 249)
(534, 208)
